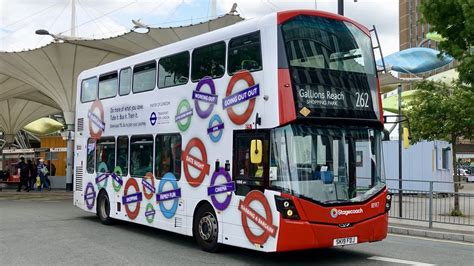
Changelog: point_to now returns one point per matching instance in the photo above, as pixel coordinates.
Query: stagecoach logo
(209, 98)
(337, 212)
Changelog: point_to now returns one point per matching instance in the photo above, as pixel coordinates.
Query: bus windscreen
(332, 68)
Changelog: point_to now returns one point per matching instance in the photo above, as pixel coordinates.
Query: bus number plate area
(345, 241)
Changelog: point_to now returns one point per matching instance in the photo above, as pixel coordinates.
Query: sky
(105, 18)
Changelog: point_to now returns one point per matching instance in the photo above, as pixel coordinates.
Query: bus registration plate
(345, 241)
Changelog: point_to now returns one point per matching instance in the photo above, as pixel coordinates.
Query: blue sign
(163, 196)
(215, 128)
(153, 118)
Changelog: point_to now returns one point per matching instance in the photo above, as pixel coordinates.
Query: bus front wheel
(103, 208)
(206, 229)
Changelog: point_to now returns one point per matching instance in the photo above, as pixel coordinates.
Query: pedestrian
(42, 172)
(51, 171)
(31, 182)
(24, 172)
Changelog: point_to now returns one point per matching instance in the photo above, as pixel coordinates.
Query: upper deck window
(322, 43)
(173, 70)
(144, 77)
(125, 84)
(245, 53)
(108, 85)
(208, 61)
(89, 90)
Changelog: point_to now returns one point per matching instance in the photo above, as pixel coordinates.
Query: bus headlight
(287, 208)
(388, 203)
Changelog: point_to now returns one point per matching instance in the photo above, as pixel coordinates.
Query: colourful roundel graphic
(96, 120)
(265, 223)
(150, 213)
(199, 164)
(128, 199)
(148, 183)
(184, 114)
(89, 196)
(226, 187)
(117, 178)
(249, 94)
(215, 128)
(210, 98)
(102, 178)
(333, 212)
(163, 196)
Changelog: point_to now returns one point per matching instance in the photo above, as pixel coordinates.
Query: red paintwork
(287, 15)
(379, 98)
(317, 229)
(286, 103)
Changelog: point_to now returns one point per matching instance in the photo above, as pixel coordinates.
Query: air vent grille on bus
(78, 176)
(80, 124)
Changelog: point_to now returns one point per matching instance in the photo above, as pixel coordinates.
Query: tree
(438, 111)
(454, 20)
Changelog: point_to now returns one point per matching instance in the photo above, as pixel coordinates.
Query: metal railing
(432, 201)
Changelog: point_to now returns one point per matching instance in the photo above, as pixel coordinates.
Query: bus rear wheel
(206, 228)
(103, 208)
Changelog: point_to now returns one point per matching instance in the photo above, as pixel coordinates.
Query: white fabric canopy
(46, 77)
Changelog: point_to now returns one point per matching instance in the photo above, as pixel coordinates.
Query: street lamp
(58, 37)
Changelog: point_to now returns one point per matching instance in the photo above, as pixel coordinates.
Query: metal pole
(340, 7)
(431, 206)
(400, 192)
(69, 157)
(73, 18)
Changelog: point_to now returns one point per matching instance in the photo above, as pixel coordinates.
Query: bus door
(247, 175)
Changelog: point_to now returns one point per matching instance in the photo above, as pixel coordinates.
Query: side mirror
(256, 151)
(406, 137)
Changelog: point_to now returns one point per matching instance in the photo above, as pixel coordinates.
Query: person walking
(24, 172)
(42, 172)
(30, 181)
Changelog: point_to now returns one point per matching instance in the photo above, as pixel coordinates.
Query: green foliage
(439, 111)
(454, 20)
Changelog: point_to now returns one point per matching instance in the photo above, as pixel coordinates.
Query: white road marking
(434, 240)
(409, 262)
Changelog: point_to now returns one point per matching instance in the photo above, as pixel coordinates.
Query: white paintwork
(230, 226)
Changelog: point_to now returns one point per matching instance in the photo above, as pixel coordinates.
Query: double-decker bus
(264, 135)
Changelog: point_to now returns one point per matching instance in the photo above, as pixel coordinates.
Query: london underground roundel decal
(190, 160)
(249, 94)
(184, 114)
(89, 196)
(148, 183)
(133, 198)
(215, 128)
(150, 213)
(96, 120)
(265, 223)
(169, 195)
(102, 176)
(207, 98)
(117, 178)
(215, 189)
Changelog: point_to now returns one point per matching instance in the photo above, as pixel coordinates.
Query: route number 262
(362, 99)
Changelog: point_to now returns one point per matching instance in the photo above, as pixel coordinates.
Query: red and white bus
(264, 135)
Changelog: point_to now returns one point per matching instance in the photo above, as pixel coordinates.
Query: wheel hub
(208, 227)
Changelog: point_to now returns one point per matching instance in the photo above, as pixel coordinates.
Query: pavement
(396, 226)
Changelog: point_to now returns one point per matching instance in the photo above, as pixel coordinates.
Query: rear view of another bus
(326, 156)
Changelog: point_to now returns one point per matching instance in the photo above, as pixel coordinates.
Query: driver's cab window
(250, 175)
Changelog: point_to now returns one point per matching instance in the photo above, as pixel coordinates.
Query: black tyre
(103, 208)
(206, 228)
